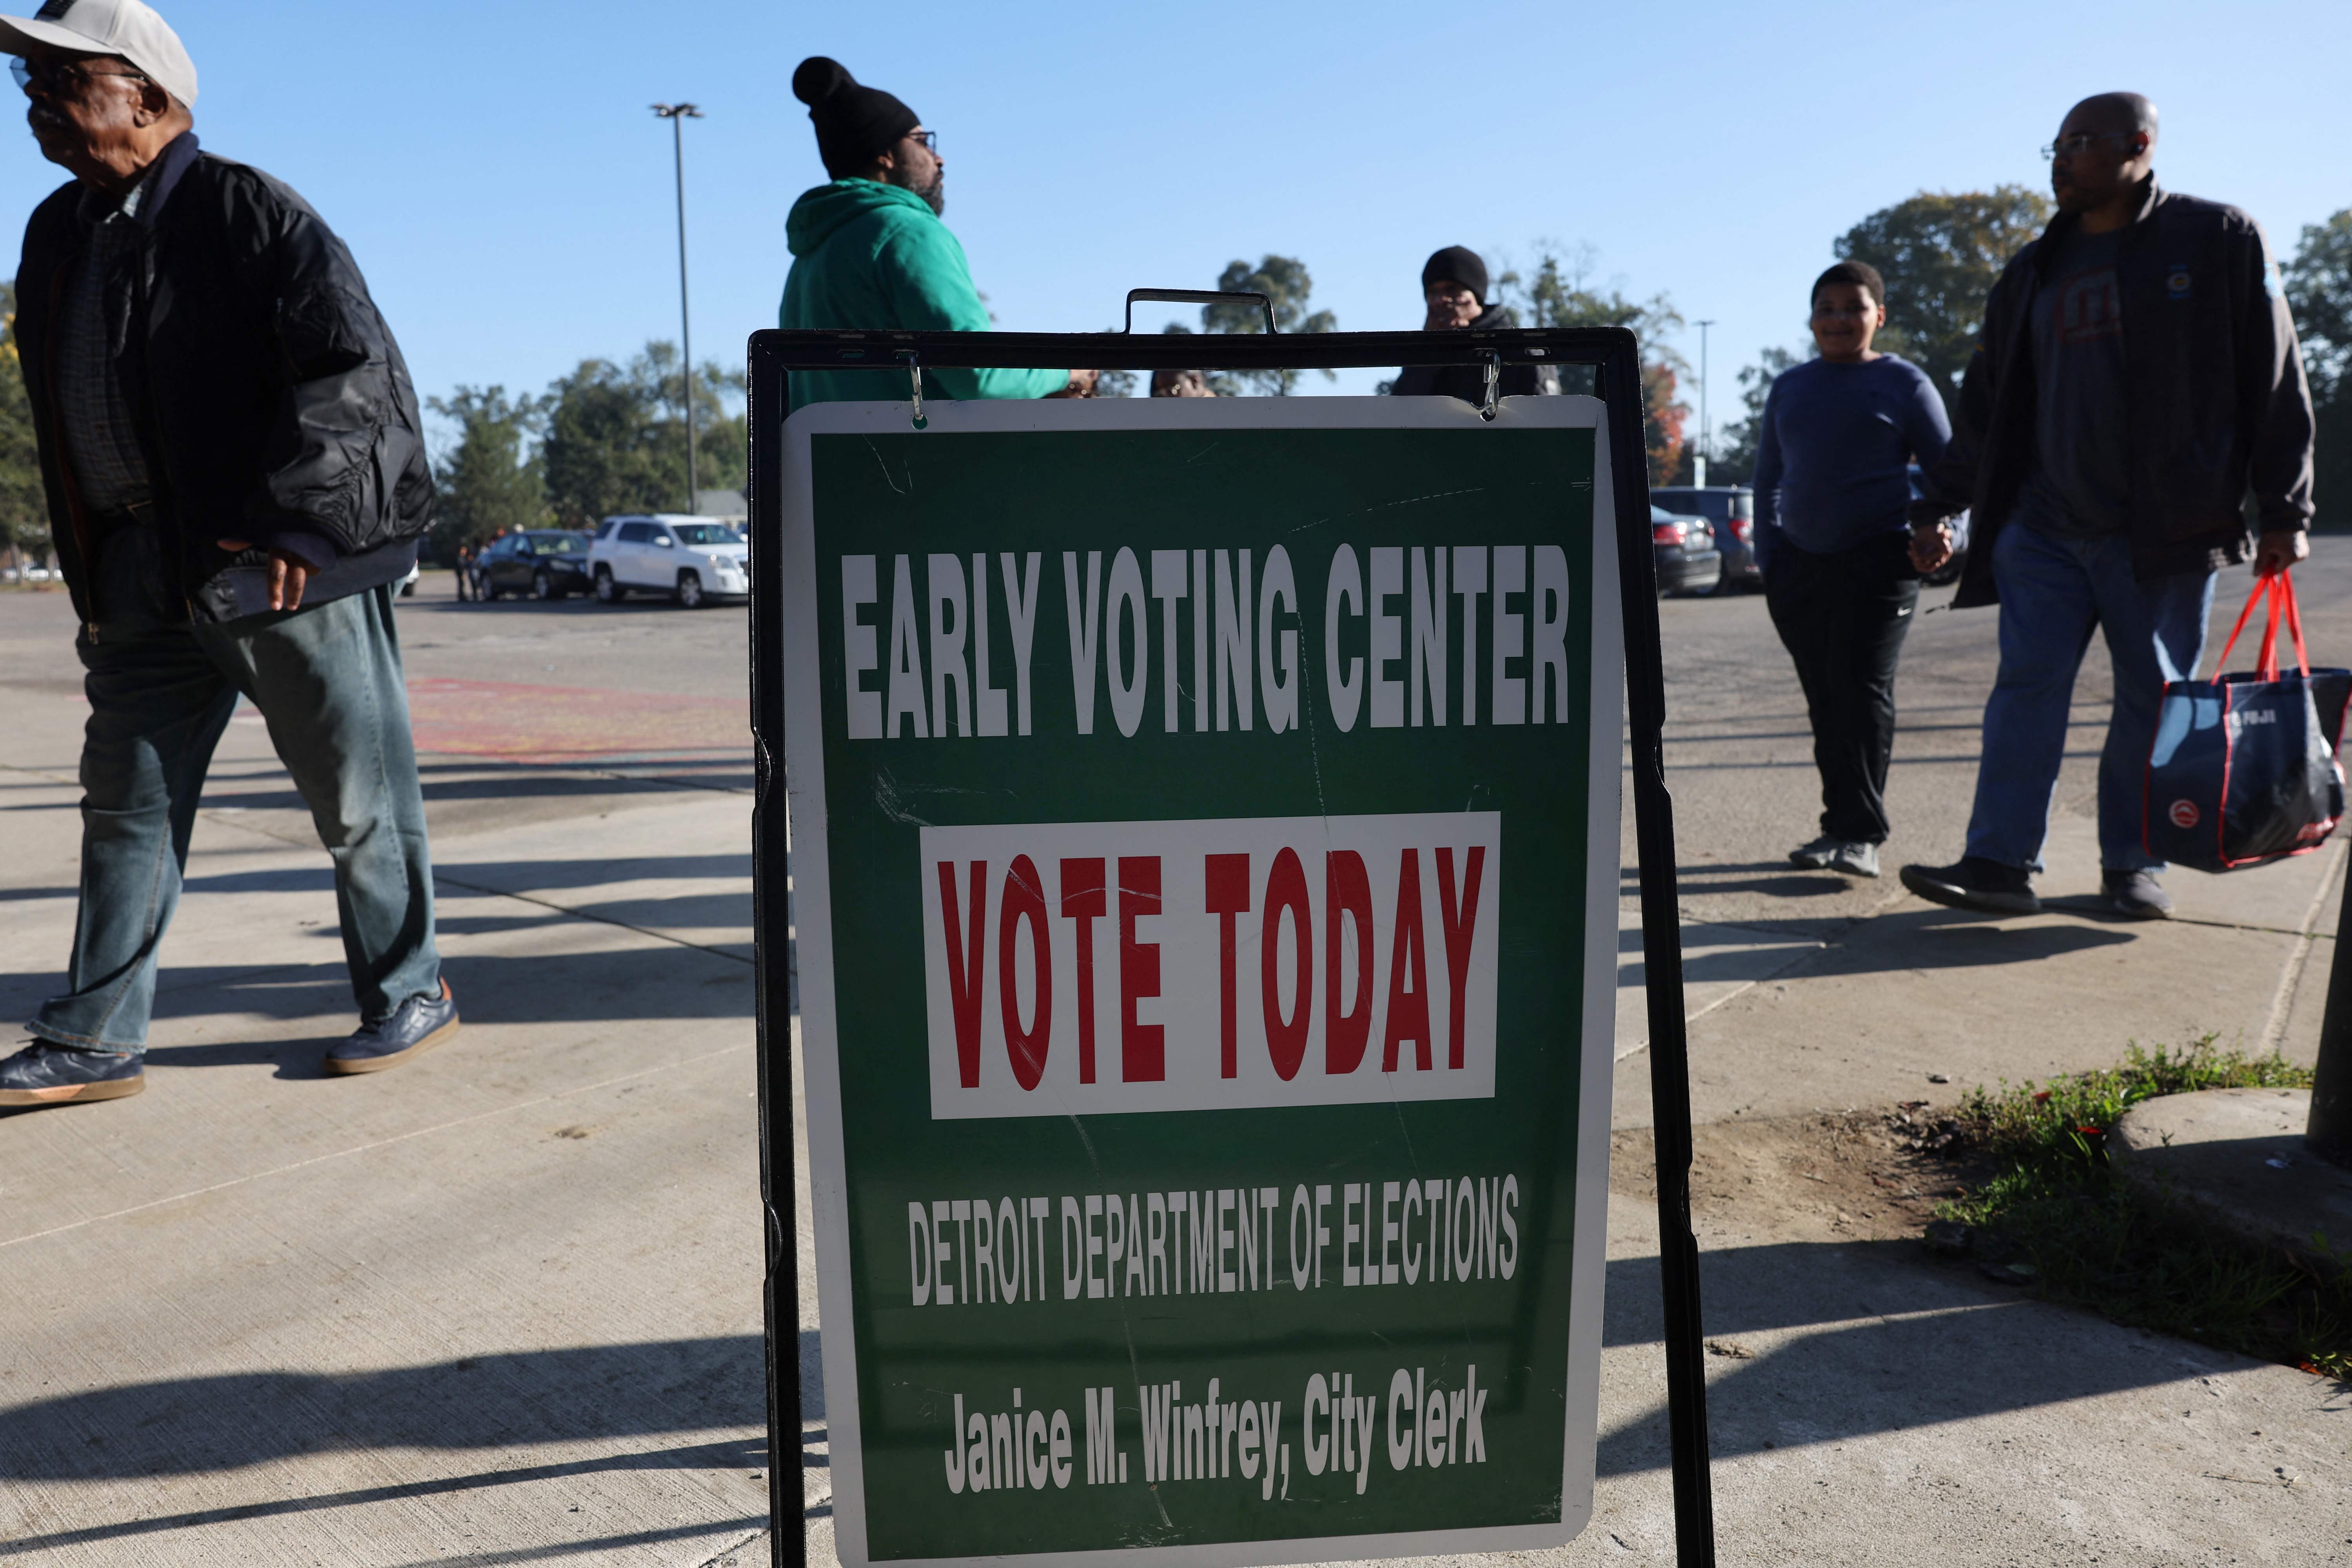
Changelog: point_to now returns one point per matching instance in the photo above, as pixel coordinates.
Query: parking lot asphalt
(503, 1306)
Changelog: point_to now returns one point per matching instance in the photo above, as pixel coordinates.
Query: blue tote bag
(2243, 769)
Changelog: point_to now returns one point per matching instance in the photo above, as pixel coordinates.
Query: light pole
(1706, 431)
(678, 114)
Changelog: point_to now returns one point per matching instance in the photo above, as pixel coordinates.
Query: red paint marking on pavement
(515, 722)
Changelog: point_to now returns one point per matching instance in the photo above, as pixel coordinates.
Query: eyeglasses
(53, 76)
(2084, 141)
(929, 139)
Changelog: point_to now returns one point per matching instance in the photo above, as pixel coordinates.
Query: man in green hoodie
(869, 250)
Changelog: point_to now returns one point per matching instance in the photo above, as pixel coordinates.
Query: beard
(934, 193)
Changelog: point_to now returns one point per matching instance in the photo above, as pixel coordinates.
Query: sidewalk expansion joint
(2291, 976)
(377, 1143)
(441, 876)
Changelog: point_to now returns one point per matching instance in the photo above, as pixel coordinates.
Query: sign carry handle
(1197, 297)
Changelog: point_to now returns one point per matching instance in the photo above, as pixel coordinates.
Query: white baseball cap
(123, 28)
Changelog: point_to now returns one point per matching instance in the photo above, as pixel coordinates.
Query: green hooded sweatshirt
(875, 256)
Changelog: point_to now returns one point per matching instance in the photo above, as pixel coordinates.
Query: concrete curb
(2235, 1159)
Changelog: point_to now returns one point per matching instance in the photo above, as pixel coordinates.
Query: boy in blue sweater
(1832, 489)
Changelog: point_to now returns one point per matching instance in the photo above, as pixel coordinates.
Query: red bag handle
(2274, 591)
(2294, 622)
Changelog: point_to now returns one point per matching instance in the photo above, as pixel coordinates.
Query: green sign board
(1205, 850)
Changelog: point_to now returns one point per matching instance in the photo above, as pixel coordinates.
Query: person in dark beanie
(2137, 380)
(1453, 289)
(869, 250)
(1833, 451)
(236, 480)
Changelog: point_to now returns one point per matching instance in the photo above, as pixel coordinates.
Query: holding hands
(1931, 546)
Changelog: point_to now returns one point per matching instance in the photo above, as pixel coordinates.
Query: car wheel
(689, 590)
(408, 589)
(492, 592)
(542, 587)
(608, 592)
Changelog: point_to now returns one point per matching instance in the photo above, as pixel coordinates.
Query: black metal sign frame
(1612, 353)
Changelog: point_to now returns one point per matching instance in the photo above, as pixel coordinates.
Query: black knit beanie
(1457, 264)
(854, 124)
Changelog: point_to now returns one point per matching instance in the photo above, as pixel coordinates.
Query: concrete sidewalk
(500, 1306)
(503, 1306)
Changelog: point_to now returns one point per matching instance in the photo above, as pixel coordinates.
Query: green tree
(1940, 254)
(24, 507)
(488, 482)
(2319, 291)
(1284, 281)
(614, 440)
(1735, 459)
(1559, 291)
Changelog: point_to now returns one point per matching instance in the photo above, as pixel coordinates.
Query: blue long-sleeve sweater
(1837, 439)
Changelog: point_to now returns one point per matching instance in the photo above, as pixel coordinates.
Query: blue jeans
(328, 680)
(2054, 592)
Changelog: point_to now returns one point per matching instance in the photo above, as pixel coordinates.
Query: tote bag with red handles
(2243, 769)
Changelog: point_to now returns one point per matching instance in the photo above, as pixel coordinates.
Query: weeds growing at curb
(2053, 1217)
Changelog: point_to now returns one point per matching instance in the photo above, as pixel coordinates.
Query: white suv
(691, 558)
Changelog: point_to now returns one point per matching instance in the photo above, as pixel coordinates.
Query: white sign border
(813, 919)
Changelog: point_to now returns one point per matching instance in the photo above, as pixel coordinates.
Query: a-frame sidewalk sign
(1186, 864)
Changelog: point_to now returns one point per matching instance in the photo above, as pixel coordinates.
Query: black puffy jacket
(271, 401)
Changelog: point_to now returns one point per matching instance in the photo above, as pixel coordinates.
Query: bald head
(2116, 111)
(2104, 158)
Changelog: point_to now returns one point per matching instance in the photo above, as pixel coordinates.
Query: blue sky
(496, 170)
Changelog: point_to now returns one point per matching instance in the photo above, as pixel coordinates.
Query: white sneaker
(1855, 860)
(1816, 856)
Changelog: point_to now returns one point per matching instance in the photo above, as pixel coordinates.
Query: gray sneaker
(2135, 895)
(46, 1074)
(1855, 860)
(415, 1026)
(1816, 856)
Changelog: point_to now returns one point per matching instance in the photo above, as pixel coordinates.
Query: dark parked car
(1731, 510)
(1684, 546)
(546, 563)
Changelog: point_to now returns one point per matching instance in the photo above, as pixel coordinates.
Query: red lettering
(1408, 1008)
(1348, 890)
(964, 978)
(1229, 894)
(1024, 898)
(1459, 921)
(1142, 1047)
(1083, 901)
(1286, 889)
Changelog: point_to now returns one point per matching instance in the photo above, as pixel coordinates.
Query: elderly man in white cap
(231, 452)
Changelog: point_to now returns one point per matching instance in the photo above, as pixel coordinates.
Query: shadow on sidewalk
(534, 887)
(650, 984)
(1906, 940)
(493, 1403)
(1898, 1342)
(489, 778)
(538, 876)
